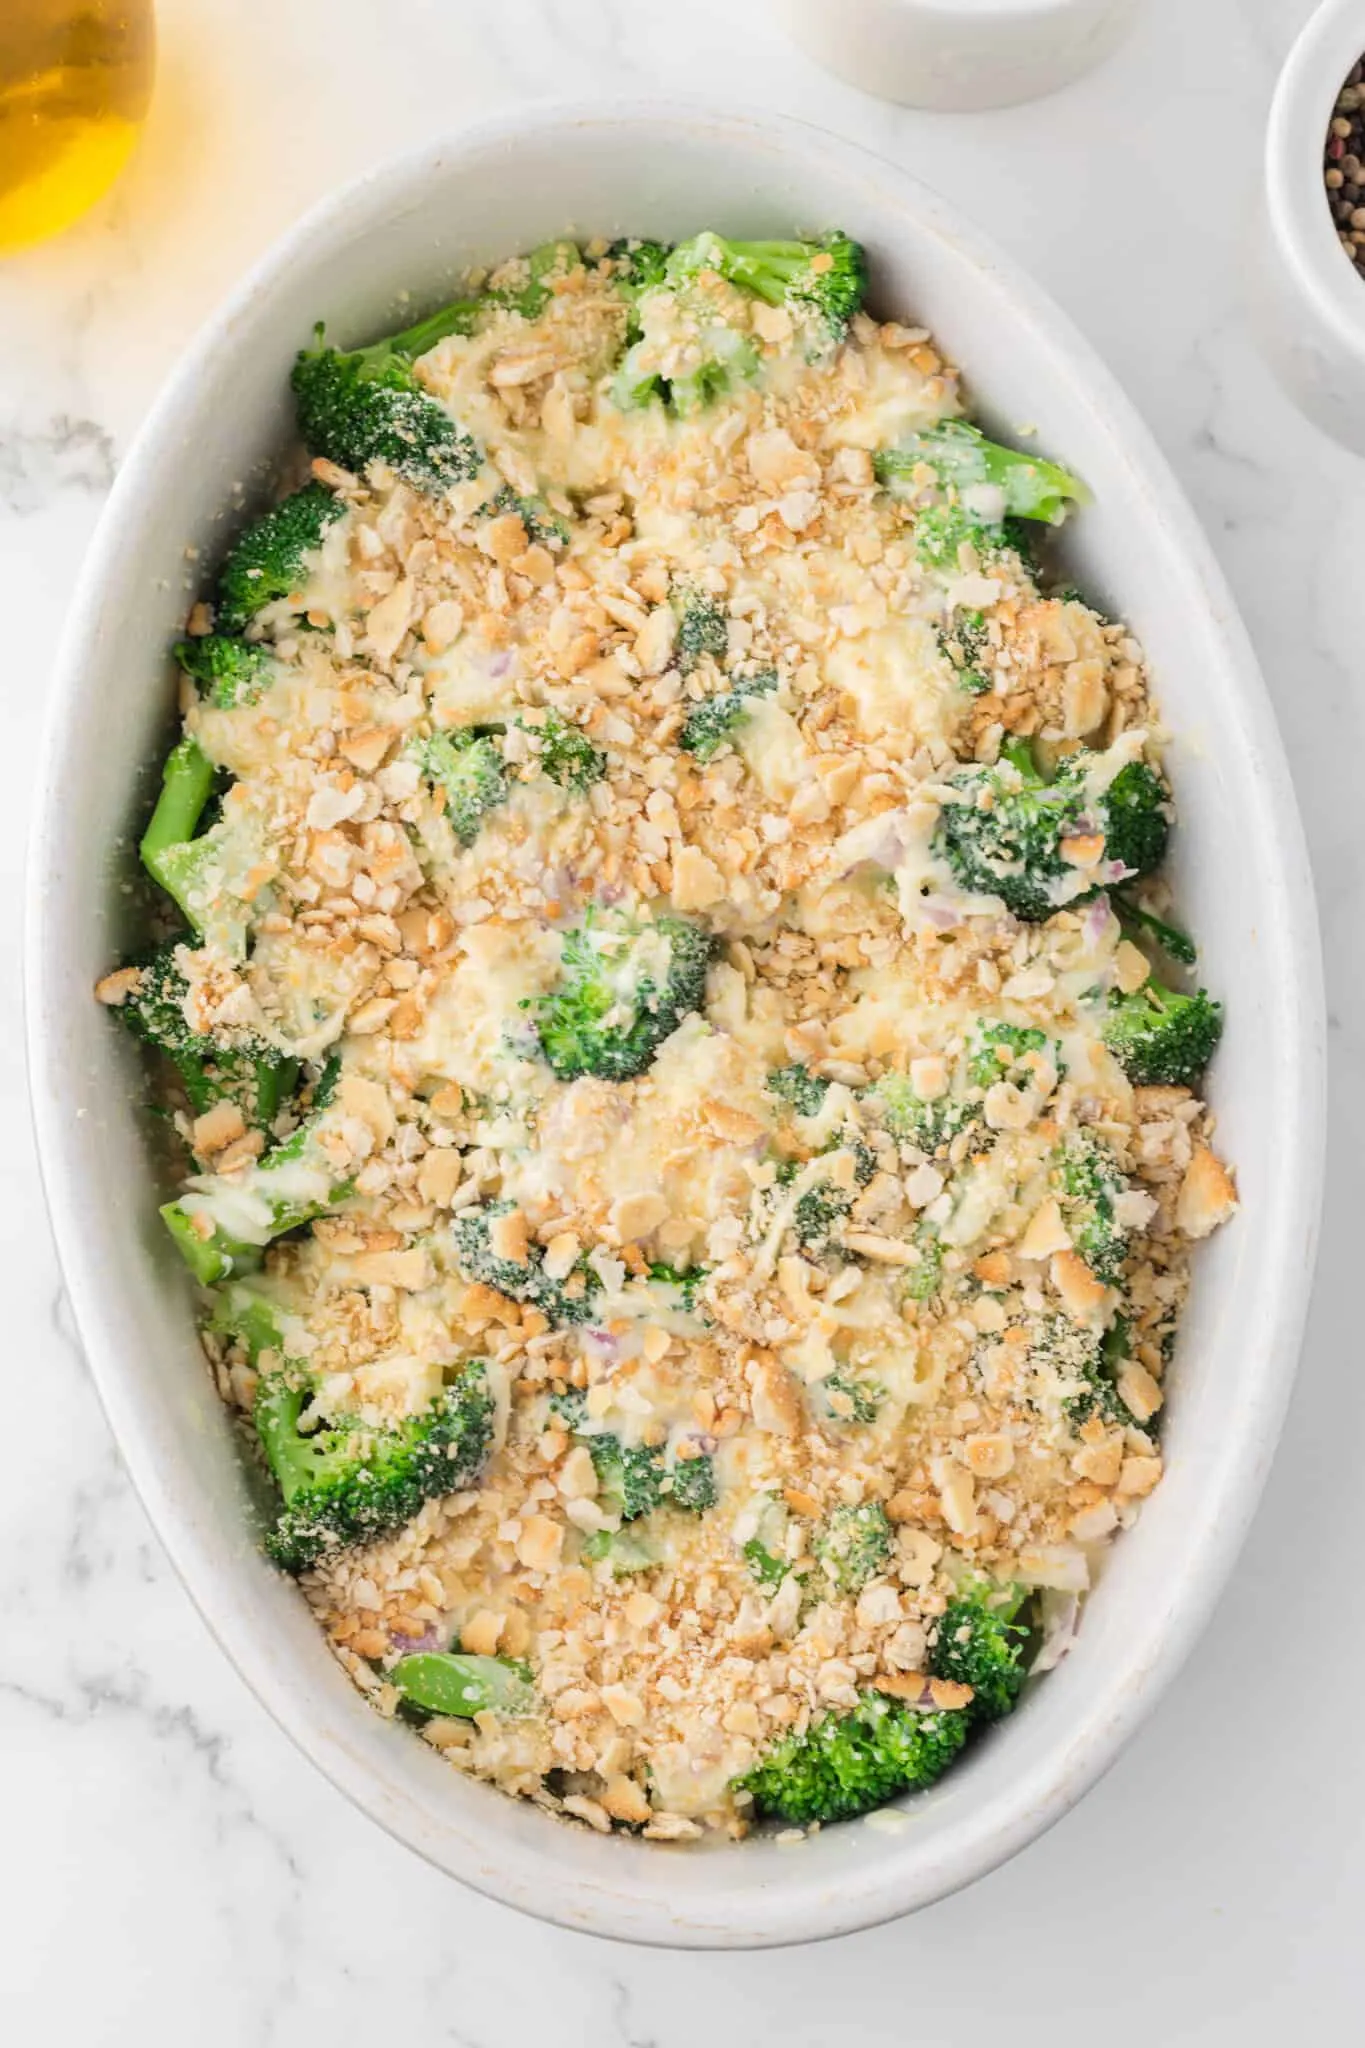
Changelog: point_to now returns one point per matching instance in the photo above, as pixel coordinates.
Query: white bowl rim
(798, 1910)
(1329, 44)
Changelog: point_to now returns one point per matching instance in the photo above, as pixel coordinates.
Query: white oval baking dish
(1243, 879)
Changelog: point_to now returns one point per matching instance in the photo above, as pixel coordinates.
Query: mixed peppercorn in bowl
(689, 1076)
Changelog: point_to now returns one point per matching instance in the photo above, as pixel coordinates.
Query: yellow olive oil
(75, 81)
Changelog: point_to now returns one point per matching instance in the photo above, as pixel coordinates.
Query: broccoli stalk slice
(366, 405)
(962, 460)
(186, 786)
(271, 559)
(1160, 1037)
(447, 1682)
(169, 849)
(345, 1483)
(625, 986)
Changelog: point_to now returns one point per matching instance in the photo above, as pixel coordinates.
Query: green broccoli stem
(210, 1259)
(186, 786)
(1178, 944)
(447, 1683)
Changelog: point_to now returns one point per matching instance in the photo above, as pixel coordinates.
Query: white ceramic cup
(1310, 303)
(958, 55)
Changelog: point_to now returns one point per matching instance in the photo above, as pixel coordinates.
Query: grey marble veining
(171, 1867)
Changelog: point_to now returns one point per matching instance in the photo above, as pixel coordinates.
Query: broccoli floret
(1096, 1362)
(710, 724)
(1134, 815)
(345, 1483)
(960, 459)
(567, 755)
(467, 765)
(847, 1400)
(1088, 1180)
(222, 1223)
(821, 283)
(915, 1119)
(824, 279)
(980, 1644)
(636, 268)
(635, 1479)
(847, 1763)
(450, 1683)
(625, 986)
(630, 1477)
(1008, 1052)
(271, 559)
(692, 1484)
(245, 1070)
(685, 1283)
(702, 630)
(798, 1088)
(571, 1300)
(226, 671)
(1005, 835)
(924, 1279)
(366, 405)
(821, 1208)
(818, 1213)
(963, 645)
(853, 1544)
(1162, 1038)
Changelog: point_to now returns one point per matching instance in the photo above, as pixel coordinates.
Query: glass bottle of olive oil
(75, 80)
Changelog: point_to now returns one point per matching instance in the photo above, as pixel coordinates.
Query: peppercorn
(1343, 166)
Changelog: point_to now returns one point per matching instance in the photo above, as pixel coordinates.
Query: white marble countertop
(169, 1865)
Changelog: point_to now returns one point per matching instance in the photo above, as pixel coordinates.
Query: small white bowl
(1241, 872)
(958, 56)
(1311, 301)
